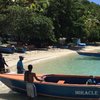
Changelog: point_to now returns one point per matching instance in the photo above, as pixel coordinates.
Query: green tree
(33, 28)
(61, 12)
(42, 30)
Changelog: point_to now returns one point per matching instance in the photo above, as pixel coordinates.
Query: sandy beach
(31, 57)
(35, 56)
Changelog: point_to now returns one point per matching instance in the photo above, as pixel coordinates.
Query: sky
(96, 1)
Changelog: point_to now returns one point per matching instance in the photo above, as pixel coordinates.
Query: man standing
(20, 68)
(29, 78)
(2, 64)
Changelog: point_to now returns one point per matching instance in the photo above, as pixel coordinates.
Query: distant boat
(93, 54)
(6, 49)
(61, 86)
(20, 50)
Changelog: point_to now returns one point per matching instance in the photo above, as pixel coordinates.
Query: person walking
(20, 67)
(2, 64)
(29, 79)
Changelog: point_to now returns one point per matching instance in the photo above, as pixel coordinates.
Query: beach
(33, 57)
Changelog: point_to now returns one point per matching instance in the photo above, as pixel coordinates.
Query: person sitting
(91, 80)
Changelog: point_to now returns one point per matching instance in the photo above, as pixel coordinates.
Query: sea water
(72, 64)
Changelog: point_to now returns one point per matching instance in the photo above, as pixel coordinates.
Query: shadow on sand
(17, 96)
(12, 96)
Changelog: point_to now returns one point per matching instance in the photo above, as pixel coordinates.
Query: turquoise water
(70, 64)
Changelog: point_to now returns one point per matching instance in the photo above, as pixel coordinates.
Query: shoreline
(36, 56)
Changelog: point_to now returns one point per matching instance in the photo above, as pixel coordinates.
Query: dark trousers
(2, 70)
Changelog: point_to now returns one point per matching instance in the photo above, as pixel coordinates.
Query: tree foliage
(45, 21)
(28, 26)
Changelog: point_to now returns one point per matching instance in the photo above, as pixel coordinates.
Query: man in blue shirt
(20, 68)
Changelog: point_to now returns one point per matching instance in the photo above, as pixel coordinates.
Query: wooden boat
(62, 86)
(94, 54)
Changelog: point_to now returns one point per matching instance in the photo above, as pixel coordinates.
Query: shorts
(31, 90)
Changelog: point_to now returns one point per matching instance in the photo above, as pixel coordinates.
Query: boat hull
(55, 89)
(89, 54)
